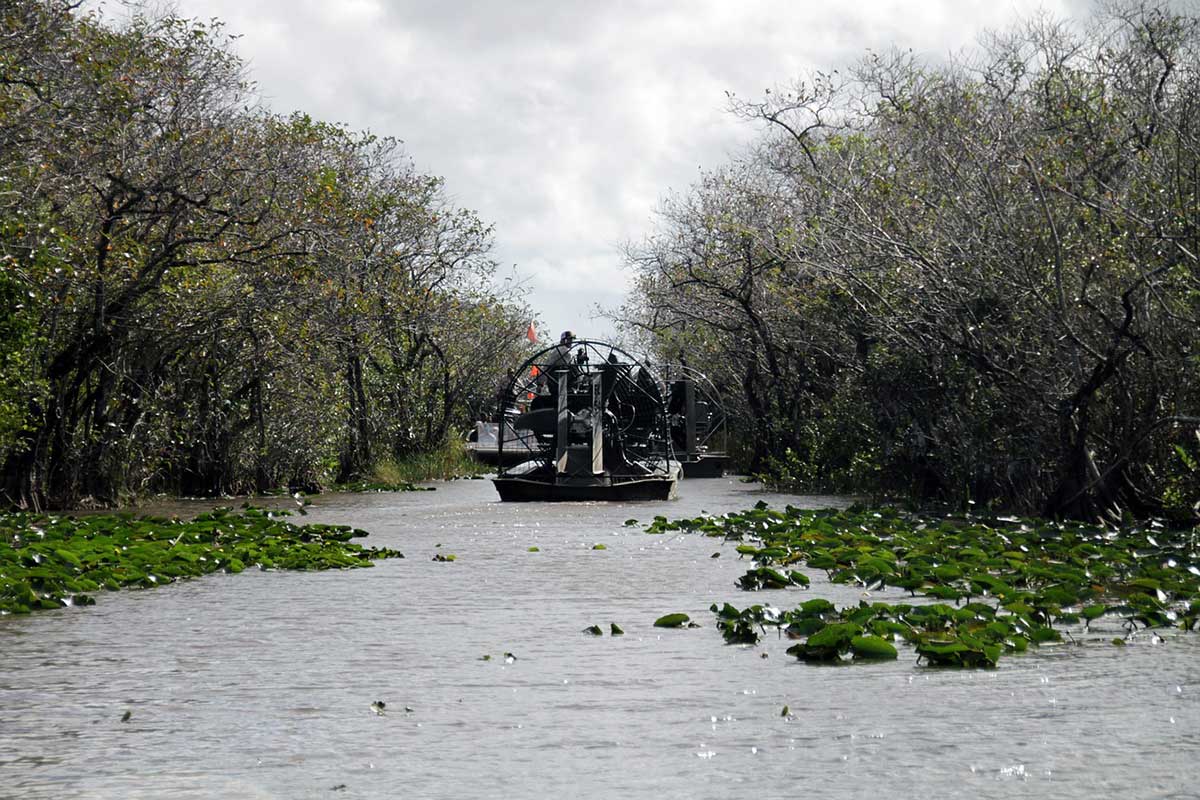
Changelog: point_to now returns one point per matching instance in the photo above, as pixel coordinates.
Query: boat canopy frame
(696, 413)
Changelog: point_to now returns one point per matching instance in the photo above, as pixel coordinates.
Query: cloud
(564, 122)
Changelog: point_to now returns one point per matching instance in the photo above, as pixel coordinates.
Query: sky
(565, 122)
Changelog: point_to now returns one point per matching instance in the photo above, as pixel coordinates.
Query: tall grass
(452, 460)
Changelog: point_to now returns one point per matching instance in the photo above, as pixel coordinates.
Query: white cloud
(564, 121)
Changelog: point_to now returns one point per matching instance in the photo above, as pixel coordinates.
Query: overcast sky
(564, 122)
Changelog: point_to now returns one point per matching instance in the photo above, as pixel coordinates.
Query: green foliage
(966, 282)
(767, 578)
(739, 626)
(1181, 482)
(51, 561)
(201, 298)
(450, 460)
(18, 343)
(872, 647)
(1011, 580)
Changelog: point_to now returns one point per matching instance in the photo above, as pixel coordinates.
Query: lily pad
(867, 647)
(51, 561)
(1006, 584)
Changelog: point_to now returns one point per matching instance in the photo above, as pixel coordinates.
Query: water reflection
(261, 684)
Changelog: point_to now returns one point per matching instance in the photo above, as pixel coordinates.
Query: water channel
(260, 685)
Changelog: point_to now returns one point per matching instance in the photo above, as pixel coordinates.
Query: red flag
(531, 334)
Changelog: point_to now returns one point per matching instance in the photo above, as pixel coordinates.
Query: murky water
(259, 685)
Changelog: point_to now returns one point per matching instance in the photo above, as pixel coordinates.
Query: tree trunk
(356, 456)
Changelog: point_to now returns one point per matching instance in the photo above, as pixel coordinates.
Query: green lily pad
(872, 647)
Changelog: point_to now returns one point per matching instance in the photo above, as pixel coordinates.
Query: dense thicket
(976, 280)
(198, 296)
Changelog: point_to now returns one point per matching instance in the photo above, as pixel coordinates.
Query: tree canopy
(976, 280)
(199, 296)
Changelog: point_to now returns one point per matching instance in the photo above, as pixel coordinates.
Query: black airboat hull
(525, 490)
(706, 466)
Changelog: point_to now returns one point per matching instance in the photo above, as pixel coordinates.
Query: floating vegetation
(447, 557)
(594, 630)
(378, 486)
(982, 587)
(672, 621)
(615, 629)
(767, 578)
(50, 561)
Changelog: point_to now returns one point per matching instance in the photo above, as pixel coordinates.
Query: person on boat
(541, 415)
(558, 357)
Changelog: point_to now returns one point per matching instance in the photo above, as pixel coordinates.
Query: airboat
(697, 420)
(589, 422)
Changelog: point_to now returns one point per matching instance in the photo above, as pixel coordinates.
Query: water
(259, 685)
